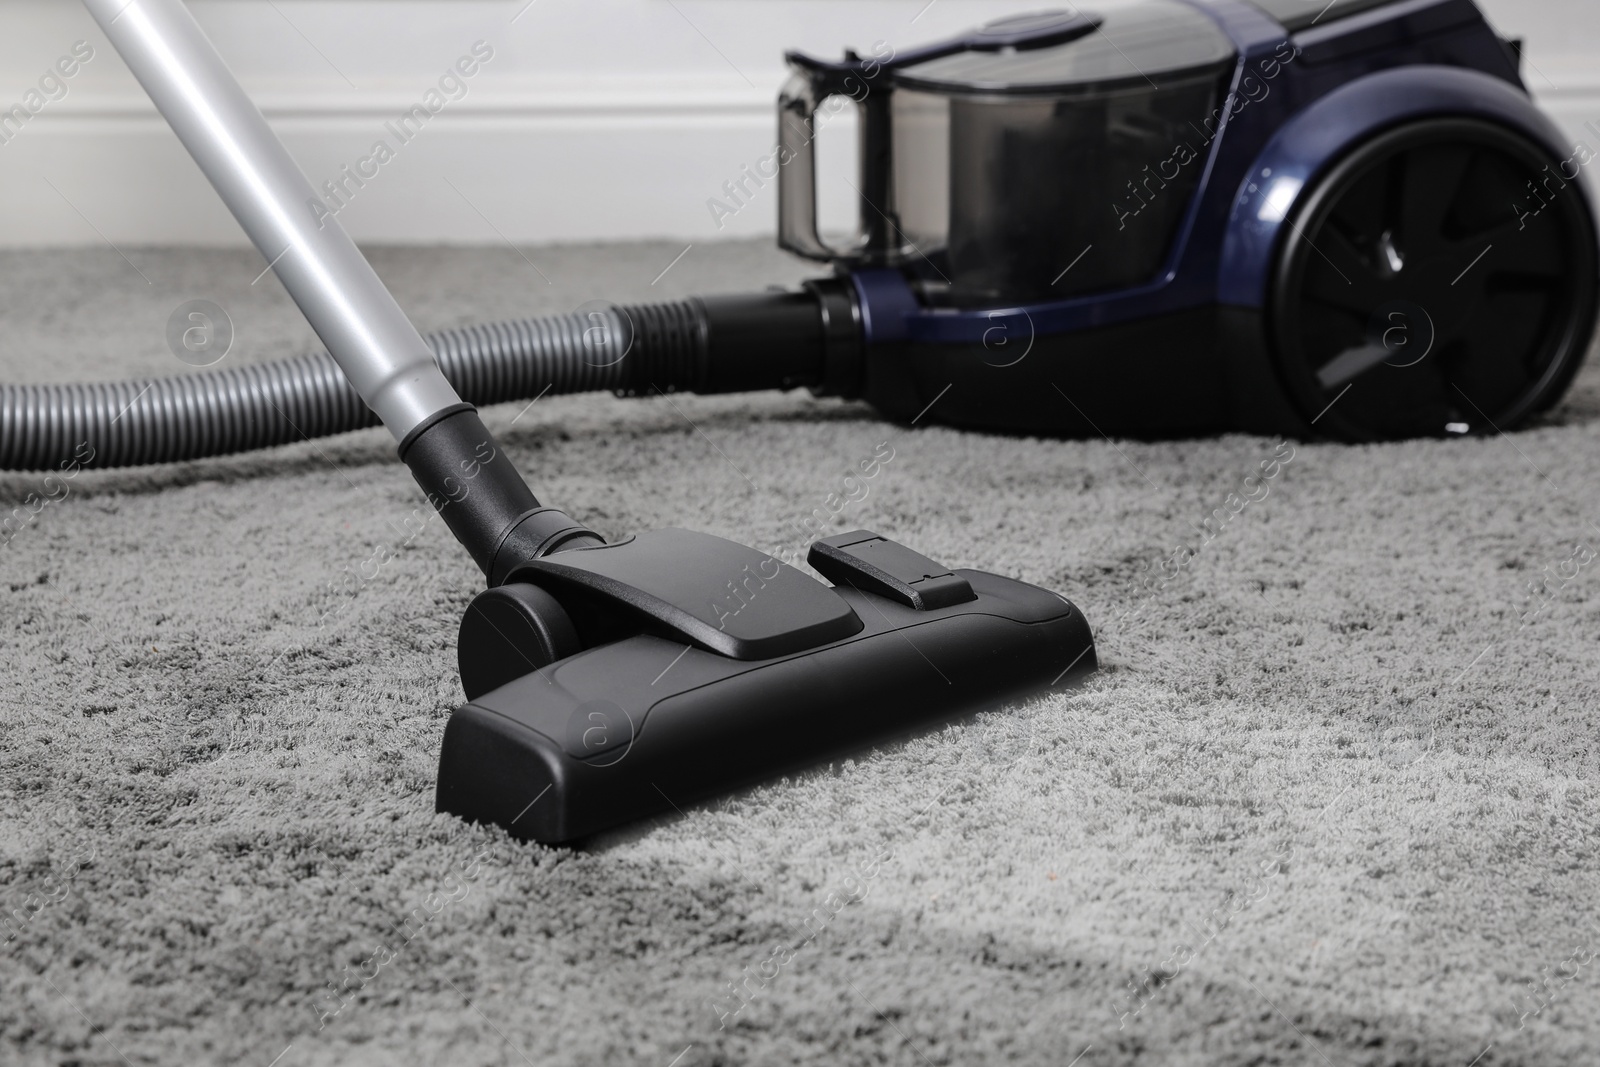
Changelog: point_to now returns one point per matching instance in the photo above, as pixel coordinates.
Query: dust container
(1033, 159)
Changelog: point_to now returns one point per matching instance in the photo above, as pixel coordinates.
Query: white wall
(596, 119)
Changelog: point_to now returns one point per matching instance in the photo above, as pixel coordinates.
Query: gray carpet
(1330, 801)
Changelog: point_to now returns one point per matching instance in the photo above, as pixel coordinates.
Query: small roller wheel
(1439, 279)
(509, 631)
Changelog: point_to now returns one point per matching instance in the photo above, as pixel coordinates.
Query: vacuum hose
(775, 340)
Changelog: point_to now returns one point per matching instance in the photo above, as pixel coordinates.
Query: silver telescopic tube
(365, 331)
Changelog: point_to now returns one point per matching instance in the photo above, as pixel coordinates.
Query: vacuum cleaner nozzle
(612, 683)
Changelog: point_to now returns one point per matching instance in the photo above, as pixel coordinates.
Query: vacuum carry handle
(365, 331)
(797, 175)
(878, 237)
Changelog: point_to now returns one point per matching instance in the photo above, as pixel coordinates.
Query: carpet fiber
(1331, 799)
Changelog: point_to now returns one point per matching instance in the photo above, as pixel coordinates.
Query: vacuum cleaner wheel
(1439, 279)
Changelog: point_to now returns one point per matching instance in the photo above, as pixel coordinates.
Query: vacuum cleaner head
(612, 683)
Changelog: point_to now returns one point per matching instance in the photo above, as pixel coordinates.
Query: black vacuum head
(613, 683)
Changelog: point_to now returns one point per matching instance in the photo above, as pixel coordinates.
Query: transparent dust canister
(1037, 158)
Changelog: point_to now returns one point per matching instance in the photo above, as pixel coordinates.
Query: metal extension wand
(466, 475)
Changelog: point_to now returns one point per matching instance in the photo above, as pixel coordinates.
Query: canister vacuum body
(1178, 218)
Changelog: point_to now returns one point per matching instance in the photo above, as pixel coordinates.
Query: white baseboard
(626, 142)
(527, 168)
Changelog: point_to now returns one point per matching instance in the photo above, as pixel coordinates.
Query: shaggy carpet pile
(1331, 798)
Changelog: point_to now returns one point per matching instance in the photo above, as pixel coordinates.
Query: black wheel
(1440, 279)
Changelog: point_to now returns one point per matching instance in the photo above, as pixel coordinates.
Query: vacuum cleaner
(1159, 218)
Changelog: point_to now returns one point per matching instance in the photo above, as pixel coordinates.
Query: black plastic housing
(1153, 377)
(474, 486)
(649, 722)
(735, 343)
